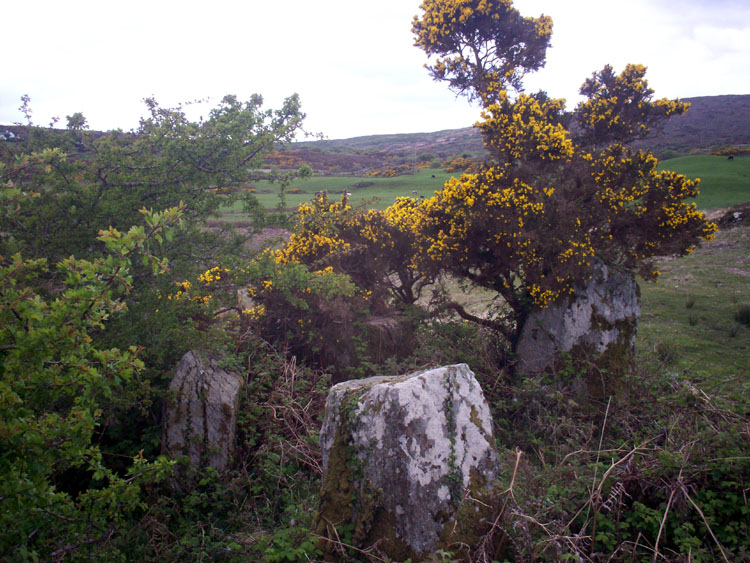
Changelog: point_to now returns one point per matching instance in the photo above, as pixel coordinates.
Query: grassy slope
(723, 182)
(386, 190)
(688, 316)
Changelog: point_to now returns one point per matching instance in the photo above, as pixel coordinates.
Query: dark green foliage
(742, 315)
(87, 345)
(658, 454)
(60, 497)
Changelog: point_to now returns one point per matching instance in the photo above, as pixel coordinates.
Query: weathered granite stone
(400, 454)
(600, 317)
(200, 417)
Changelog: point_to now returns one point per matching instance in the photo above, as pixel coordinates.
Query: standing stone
(401, 454)
(201, 415)
(599, 319)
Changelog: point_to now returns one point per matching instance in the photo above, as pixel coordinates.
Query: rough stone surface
(400, 453)
(200, 417)
(601, 316)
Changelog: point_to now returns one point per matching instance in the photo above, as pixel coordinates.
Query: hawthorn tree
(92, 180)
(64, 383)
(58, 389)
(80, 181)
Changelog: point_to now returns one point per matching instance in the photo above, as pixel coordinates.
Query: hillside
(712, 122)
(442, 143)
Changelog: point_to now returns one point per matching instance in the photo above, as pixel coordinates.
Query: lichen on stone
(598, 322)
(400, 454)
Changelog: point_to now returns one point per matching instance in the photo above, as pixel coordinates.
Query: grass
(723, 182)
(691, 315)
(378, 193)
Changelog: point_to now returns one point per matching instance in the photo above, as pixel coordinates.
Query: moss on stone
(346, 498)
(604, 368)
(473, 518)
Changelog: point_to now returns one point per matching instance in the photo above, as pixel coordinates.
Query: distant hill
(442, 143)
(712, 122)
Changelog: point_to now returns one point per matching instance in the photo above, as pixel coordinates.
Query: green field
(377, 193)
(723, 182)
(688, 316)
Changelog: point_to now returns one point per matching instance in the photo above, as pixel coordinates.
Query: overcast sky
(352, 62)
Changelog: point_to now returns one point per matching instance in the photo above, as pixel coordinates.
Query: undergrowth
(658, 470)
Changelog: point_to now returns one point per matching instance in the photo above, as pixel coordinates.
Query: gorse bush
(559, 193)
(374, 248)
(308, 313)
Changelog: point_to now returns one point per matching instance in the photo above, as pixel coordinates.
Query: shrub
(742, 315)
(57, 388)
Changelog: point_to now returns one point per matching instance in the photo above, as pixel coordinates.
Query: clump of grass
(665, 353)
(689, 302)
(742, 315)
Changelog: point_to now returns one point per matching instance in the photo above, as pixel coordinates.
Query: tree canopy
(481, 46)
(82, 182)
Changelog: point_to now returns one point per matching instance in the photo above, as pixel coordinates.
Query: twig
(567, 539)
(664, 520)
(509, 494)
(342, 546)
(593, 499)
(606, 476)
(581, 452)
(635, 548)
